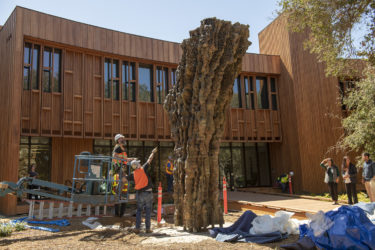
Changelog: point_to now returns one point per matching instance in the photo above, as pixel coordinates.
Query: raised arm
(152, 155)
(322, 164)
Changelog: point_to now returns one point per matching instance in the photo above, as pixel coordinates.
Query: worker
(169, 174)
(282, 180)
(143, 187)
(119, 152)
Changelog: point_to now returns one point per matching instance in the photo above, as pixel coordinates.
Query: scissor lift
(91, 185)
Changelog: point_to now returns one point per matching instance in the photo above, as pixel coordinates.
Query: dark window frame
(30, 66)
(50, 69)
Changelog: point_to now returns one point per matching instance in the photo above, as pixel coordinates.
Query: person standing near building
(119, 152)
(169, 174)
(349, 174)
(143, 187)
(331, 178)
(367, 175)
(32, 174)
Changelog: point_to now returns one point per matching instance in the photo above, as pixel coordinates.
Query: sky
(168, 20)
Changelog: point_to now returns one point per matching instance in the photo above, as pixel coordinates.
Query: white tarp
(281, 222)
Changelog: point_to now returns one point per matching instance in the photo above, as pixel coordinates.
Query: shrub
(20, 226)
(5, 229)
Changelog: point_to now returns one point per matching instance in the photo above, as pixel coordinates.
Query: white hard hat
(118, 136)
(134, 163)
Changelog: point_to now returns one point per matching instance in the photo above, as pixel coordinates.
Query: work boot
(148, 231)
(136, 231)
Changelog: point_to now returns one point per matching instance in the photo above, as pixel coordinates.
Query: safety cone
(225, 196)
(160, 195)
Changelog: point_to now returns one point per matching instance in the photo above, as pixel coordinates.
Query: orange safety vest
(115, 184)
(122, 156)
(140, 179)
(169, 170)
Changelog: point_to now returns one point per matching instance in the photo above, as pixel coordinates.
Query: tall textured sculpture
(197, 106)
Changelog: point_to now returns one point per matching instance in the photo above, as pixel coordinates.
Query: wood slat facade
(77, 110)
(309, 103)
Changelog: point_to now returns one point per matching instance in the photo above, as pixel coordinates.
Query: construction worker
(143, 187)
(169, 174)
(119, 152)
(283, 180)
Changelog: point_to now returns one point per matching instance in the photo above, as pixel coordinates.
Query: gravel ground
(78, 236)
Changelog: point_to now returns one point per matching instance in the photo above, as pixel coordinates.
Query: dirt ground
(78, 236)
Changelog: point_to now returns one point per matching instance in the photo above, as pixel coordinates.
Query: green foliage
(5, 230)
(362, 197)
(359, 125)
(331, 24)
(20, 226)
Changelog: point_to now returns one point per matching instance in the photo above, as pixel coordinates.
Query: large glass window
(238, 165)
(103, 147)
(236, 98)
(251, 163)
(244, 165)
(262, 92)
(146, 93)
(31, 66)
(264, 170)
(35, 151)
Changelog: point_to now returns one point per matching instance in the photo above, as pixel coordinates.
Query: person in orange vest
(169, 174)
(143, 187)
(119, 152)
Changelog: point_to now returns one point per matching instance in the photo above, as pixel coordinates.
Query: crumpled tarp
(281, 222)
(351, 229)
(62, 222)
(239, 231)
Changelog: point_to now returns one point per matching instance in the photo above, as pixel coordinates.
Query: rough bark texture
(197, 106)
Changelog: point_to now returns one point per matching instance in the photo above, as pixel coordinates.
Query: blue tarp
(239, 231)
(62, 222)
(351, 230)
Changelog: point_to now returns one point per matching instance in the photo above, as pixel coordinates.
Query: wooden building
(68, 87)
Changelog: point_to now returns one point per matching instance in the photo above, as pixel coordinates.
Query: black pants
(332, 186)
(351, 192)
(120, 209)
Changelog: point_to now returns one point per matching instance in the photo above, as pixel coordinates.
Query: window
(249, 92)
(111, 79)
(31, 66)
(125, 81)
(35, 150)
(116, 80)
(107, 78)
(161, 83)
(262, 92)
(146, 93)
(246, 85)
(236, 98)
(51, 78)
(273, 94)
(173, 77)
(128, 81)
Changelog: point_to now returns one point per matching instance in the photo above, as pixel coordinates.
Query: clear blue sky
(167, 20)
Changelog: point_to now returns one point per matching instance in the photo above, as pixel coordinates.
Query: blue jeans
(170, 182)
(144, 199)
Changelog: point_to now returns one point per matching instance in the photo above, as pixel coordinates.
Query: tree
(331, 25)
(196, 106)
